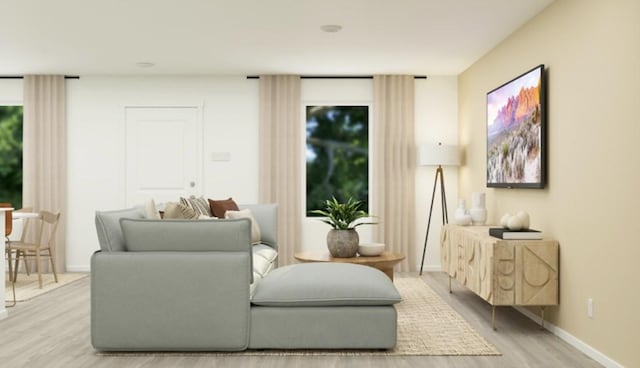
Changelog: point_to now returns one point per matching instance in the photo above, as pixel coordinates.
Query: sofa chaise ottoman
(324, 306)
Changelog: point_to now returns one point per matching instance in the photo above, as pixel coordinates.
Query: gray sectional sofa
(200, 285)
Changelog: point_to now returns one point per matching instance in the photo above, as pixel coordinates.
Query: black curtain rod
(337, 77)
(22, 77)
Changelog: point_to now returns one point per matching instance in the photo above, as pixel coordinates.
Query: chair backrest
(8, 221)
(50, 220)
(25, 223)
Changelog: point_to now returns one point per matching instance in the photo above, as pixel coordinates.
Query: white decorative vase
(461, 217)
(478, 210)
(478, 216)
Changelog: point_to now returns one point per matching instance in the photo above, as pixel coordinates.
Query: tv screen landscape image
(516, 132)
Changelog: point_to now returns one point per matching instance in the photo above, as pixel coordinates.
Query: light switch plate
(220, 156)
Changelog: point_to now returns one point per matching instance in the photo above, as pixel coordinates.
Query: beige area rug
(27, 286)
(427, 325)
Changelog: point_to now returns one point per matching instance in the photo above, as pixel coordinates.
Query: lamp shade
(439, 154)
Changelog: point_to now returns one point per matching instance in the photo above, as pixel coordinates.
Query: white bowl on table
(371, 249)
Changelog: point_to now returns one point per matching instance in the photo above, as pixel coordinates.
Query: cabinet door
(537, 281)
(472, 276)
(504, 273)
(484, 254)
(525, 273)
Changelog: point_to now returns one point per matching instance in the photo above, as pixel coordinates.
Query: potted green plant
(343, 239)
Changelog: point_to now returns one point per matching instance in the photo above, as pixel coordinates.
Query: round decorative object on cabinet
(514, 223)
(524, 219)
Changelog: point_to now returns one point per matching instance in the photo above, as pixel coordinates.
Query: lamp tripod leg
(493, 317)
(433, 195)
(443, 196)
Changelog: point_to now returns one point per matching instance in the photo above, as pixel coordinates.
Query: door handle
(192, 184)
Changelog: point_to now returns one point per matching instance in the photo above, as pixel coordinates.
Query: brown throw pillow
(219, 207)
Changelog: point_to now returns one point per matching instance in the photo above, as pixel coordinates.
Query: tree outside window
(11, 155)
(337, 154)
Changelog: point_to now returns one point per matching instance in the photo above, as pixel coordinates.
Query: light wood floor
(52, 330)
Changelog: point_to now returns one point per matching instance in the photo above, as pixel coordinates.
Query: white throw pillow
(255, 228)
(150, 210)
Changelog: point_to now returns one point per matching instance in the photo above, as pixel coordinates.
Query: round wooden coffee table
(383, 262)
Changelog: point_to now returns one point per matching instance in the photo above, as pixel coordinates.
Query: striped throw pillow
(199, 205)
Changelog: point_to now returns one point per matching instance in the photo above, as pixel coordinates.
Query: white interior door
(163, 153)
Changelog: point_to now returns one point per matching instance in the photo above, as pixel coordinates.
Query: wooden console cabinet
(502, 272)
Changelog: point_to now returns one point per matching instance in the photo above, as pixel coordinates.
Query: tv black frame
(541, 184)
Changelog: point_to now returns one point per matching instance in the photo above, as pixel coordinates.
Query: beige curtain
(281, 158)
(45, 151)
(393, 166)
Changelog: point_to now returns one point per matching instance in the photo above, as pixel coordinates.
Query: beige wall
(592, 201)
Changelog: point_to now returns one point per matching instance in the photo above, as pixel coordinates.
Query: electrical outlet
(590, 307)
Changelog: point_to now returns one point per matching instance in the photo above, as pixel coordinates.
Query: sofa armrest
(267, 217)
(150, 301)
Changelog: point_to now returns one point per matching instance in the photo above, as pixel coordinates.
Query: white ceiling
(237, 37)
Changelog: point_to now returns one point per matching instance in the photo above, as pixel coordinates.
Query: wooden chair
(23, 237)
(47, 220)
(8, 222)
(8, 227)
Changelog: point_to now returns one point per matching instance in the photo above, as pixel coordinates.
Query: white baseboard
(78, 268)
(429, 267)
(573, 341)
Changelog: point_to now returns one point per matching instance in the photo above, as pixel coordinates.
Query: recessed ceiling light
(145, 64)
(331, 28)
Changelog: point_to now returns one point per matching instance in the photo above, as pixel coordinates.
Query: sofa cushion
(264, 259)
(186, 235)
(325, 284)
(246, 213)
(109, 230)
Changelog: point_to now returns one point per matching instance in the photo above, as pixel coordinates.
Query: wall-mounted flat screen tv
(516, 132)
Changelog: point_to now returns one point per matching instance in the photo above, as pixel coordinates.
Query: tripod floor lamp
(437, 155)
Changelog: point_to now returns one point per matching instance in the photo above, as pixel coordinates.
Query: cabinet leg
(493, 317)
(542, 317)
(449, 284)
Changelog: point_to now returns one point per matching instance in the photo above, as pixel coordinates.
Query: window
(11, 155)
(337, 154)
